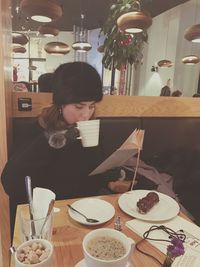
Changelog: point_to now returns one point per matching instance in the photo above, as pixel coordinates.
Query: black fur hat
(75, 82)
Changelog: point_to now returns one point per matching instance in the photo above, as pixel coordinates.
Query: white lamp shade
(41, 10)
(193, 33)
(57, 48)
(165, 63)
(190, 60)
(81, 46)
(134, 22)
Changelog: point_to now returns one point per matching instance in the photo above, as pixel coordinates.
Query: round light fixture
(134, 22)
(81, 46)
(19, 49)
(191, 60)
(57, 48)
(165, 63)
(193, 34)
(32, 68)
(19, 38)
(48, 31)
(41, 10)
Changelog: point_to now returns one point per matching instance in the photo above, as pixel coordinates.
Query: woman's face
(82, 111)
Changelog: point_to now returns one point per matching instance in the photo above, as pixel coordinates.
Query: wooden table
(68, 236)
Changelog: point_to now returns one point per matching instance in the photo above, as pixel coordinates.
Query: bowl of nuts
(35, 252)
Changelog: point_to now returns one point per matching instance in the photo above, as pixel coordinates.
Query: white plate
(94, 208)
(165, 209)
(82, 263)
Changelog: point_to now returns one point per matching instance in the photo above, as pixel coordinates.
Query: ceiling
(95, 11)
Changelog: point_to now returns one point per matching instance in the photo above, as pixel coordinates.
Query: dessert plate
(82, 263)
(95, 208)
(165, 209)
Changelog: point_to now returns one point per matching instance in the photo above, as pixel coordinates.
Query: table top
(68, 235)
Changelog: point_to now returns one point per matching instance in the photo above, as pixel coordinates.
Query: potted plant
(120, 48)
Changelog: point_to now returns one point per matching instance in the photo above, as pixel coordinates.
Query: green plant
(121, 48)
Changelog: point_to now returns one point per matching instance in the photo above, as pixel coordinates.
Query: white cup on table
(35, 252)
(90, 244)
(89, 132)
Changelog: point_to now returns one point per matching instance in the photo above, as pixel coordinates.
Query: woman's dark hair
(75, 82)
(72, 83)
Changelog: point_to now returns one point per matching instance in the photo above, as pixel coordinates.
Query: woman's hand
(119, 186)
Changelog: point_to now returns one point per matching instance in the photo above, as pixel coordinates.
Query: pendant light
(81, 44)
(41, 10)
(19, 38)
(135, 21)
(57, 48)
(19, 49)
(48, 30)
(32, 67)
(193, 34)
(165, 63)
(191, 60)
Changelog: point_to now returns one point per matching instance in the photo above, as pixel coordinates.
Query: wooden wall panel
(141, 106)
(5, 123)
(39, 101)
(122, 106)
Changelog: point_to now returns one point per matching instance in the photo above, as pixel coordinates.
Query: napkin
(191, 230)
(41, 199)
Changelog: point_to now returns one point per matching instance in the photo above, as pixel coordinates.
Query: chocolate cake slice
(146, 203)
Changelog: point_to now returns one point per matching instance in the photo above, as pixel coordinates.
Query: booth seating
(161, 134)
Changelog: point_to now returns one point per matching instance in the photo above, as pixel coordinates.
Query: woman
(56, 159)
(177, 93)
(165, 91)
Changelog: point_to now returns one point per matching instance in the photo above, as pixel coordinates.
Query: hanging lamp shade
(32, 67)
(57, 48)
(81, 46)
(41, 10)
(190, 60)
(48, 31)
(165, 63)
(19, 49)
(134, 22)
(19, 38)
(193, 34)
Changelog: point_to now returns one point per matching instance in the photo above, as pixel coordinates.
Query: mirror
(165, 39)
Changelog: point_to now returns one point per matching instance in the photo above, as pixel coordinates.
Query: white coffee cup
(127, 242)
(47, 262)
(89, 132)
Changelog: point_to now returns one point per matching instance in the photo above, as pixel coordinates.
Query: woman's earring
(60, 111)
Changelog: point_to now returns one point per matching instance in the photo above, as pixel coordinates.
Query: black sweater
(64, 171)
